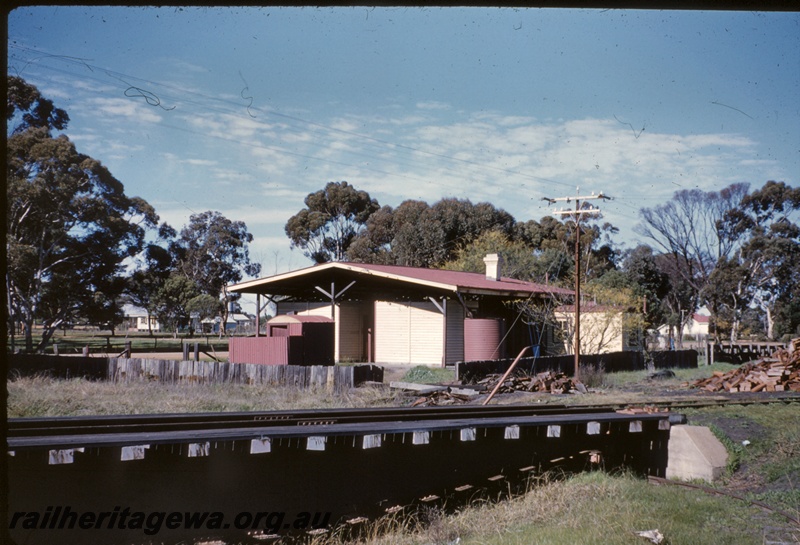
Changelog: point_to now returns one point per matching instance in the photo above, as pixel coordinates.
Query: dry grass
(45, 396)
(593, 376)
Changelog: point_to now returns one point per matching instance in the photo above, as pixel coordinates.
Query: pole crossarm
(578, 213)
(600, 195)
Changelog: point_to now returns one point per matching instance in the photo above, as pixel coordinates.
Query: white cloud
(112, 109)
(433, 105)
(514, 161)
(510, 161)
(200, 162)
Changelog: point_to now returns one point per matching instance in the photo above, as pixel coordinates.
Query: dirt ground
(395, 372)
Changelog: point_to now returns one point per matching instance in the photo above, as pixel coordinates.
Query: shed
(317, 333)
(397, 314)
(291, 340)
(290, 325)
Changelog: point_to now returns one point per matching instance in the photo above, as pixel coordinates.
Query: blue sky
(247, 110)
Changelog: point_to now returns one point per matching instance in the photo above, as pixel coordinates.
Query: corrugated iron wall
(267, 350)
(318, 344)
(455, 332)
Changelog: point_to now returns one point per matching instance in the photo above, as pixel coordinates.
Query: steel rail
(105, 438)
(19, 427)
(76, 425)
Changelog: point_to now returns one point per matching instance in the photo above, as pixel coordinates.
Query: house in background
(604, 329)
(395, 314)
(135, 319)
(696, 329)
(697, 326)
(236, 323)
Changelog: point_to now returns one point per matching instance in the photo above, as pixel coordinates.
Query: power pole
(578, 213)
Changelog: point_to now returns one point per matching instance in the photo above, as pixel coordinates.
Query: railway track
(121, 431)
(114, 424)
(340, 465)
(83, 425)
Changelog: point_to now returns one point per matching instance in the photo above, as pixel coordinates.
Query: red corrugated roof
(460, 278)
(437, 279)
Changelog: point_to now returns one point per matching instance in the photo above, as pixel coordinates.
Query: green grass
(102, 342)
(626, 378)
(769, 465)
(429, 375)
(593, 509)
(618, 507)
(703, 371)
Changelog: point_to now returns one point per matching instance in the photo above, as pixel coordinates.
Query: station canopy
(364, 282)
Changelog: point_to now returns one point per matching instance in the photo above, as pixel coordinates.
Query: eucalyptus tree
(171, 302)
(152, 268)
(330, 222)
(766, 264)
(689, 231)
(649, 283)
(213, 251)
(417, 234)
(70, 226)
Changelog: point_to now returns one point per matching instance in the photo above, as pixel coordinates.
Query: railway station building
(396, 314)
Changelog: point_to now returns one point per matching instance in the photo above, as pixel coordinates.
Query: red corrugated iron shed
(291, 325)
(290, 340)
(266, 350)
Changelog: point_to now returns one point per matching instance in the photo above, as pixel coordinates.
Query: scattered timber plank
(422, 389)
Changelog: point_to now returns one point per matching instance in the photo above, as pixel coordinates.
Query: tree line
(77, 246)
(735, 251)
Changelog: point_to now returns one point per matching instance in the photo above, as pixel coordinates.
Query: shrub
(593, 376)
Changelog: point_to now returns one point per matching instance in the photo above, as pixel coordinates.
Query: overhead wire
(281, 150)
(362, 145)
(184, 93)
(285, 151)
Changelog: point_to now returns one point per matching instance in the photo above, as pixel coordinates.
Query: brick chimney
(493, 265)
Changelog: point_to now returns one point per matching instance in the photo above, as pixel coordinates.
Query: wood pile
(441, 397)
(777, 373)
(548, 381)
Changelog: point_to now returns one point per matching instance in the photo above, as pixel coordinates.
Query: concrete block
(695, 454)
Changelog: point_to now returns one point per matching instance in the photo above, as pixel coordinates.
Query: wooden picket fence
(334, 378)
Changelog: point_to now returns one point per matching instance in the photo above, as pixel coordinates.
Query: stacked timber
(777, 373)
(442, 398)
(547, 382)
